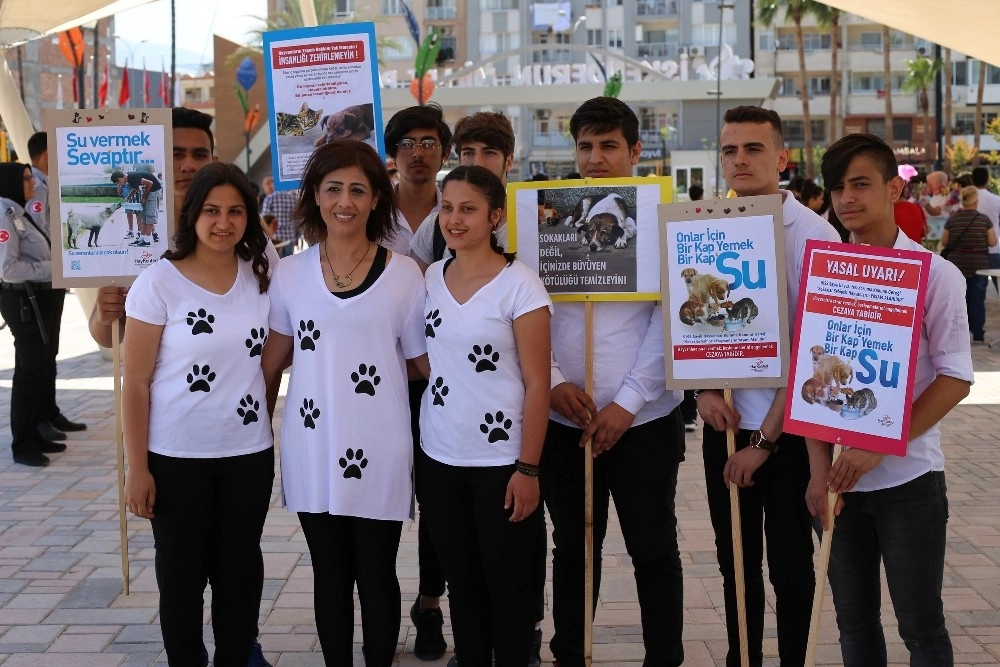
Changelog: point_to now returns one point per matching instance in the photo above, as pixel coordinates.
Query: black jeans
(640, 471)
(429, 570)
(209, 518)
(775, 502)
(490, 561)
(33, 389)
(345, 550)
(903, 528)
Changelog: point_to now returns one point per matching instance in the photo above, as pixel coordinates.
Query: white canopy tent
(23, 20)
(971, 27)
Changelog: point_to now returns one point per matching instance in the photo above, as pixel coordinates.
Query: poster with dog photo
(110, 193)
(591, 239)
(855, 347)
(725, 308)
(322, 84)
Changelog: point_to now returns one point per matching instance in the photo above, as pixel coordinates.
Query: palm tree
(978, 118)
(920, 75)
(795, 10)
(947, 107)
(887, 83)
(829, 18)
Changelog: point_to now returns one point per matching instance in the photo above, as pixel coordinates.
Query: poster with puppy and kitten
(860, 312)
(723, 281)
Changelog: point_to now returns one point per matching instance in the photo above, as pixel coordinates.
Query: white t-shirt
(472, 411)
(422, 243)
(989, 205)
(800, 225)
(409, 242)
(206, 397)
(943, 350)
(346, 446)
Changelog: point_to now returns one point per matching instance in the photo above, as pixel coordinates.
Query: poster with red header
(855, 346)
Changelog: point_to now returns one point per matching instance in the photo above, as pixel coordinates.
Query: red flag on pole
(102, 92)
(164, 82)
(125, 94)
(145, 84)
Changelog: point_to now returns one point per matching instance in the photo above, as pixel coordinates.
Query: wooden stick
(737, 527)
(116, 362)
(588, 497)
(821, 570)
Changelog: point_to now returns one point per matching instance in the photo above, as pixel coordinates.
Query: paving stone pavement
(62, 603)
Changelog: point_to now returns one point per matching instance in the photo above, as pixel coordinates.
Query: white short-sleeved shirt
(207, 392)
(346, 446)
(422, 241)
(944, 349)
(800, 225)
(472, 412)
(410, 242)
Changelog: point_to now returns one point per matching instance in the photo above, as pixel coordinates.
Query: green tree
(795, 11)
(887, 83)
(920, 75)
(978, 117)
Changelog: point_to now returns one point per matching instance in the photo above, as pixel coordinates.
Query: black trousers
(640, 472)
(345, 550)
(773, 508)
(490, 561)
(33, 390)
(209, 516)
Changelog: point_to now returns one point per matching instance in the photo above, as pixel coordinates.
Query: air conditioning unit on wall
(694, 51)
(682, 50)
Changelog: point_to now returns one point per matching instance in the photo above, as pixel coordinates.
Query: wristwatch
(758, 441)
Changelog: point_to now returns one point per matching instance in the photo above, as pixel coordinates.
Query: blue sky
(197, 21)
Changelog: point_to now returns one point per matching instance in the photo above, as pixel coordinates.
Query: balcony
(501, 5)
(551, 140)
(552, 57)
(655, 49)
(440, 13)
(656, 8)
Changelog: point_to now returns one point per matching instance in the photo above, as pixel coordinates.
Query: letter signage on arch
(855, 349)
(725, 302)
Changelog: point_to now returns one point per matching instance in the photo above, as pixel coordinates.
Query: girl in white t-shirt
(482, 423)
(200, 452)
(349, 314)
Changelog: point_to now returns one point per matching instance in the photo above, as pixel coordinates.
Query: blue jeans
(904, 528)
(975, 305)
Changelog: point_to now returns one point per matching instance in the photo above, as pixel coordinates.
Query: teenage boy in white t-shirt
(770, 467)
(637, 431)
(893, 509)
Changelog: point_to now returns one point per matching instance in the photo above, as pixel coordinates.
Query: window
(992, 74)
(965, 122)
(594, 37)
(794, 131)
(872, 82)
(616, 38)
(398, 49)
(494, 42)
(500, 5)
(392, 7)
(819, 85)
(961, 69)
(871, 40)
(765, 41)
(816, 41)
(902, 128)
(707, 34)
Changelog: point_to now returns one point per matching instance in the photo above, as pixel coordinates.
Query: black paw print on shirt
(439, 390)
(200, 378)
(496, 427)
(309, 413)
(484, 358)
(353, 462)
(365, 380)
(255, 343)
(248, 409)
(200, 322)
(308, 334)
(433, 322)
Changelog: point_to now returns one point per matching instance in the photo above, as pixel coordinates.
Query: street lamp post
(131, 57)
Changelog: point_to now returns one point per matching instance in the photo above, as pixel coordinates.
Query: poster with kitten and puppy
(723, 280)
(855, 348)
(322, 85)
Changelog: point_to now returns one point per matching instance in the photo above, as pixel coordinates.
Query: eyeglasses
(409, 145)
(29, 179)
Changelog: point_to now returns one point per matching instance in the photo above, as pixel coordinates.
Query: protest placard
(861, 309)
(110, 193)
(725, 308)
(590, 240)
(322, 85)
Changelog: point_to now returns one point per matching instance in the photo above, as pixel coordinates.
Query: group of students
(502, 414)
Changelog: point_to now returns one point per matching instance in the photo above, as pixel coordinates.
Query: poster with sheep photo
(110, 193)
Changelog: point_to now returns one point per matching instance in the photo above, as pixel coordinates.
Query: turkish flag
(102, 92)
(125, 95)
(164, 85)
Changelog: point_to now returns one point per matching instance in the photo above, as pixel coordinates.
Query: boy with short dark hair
(893, 510)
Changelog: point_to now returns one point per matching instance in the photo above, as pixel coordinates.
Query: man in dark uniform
(149, 187)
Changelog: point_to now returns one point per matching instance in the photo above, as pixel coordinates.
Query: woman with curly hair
(200, 451)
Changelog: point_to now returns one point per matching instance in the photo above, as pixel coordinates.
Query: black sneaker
(32, 457)
(257, 658)
(535, 657)
(141, 244)
(48, 431)
(63, 424)
(429, 644)
(156, 239)
(49, 447)
(129, 235)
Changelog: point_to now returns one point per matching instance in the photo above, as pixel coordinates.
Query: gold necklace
(348, 280)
